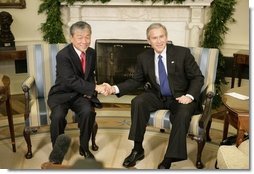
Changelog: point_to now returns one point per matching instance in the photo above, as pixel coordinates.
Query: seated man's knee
(58, 113)
(137, 101)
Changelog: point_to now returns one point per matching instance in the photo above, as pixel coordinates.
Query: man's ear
(148, 41)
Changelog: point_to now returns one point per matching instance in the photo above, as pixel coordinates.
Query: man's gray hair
(80, 25)
(153, 26)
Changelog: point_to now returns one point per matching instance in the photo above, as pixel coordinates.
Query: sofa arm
(230, 157)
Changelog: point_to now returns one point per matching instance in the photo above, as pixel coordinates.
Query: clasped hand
(105, 89)
(184, 99)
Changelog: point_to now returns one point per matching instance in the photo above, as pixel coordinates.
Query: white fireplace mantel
(146, 3)
(125, 19)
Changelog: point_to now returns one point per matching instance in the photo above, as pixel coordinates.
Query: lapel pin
(172, 61)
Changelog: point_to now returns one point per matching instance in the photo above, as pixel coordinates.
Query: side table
(241, 59)
(5, 97)
(18, 54)
(237, 113)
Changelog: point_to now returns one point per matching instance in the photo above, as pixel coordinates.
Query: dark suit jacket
(184, 74)
(71, 82)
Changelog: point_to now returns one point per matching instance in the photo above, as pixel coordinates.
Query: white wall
(26, 24)
(25, 28)
(238, 34)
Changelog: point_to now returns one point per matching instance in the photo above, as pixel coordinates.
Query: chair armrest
(206, 115)
(211, 87)
(26, 87)
(27, 84)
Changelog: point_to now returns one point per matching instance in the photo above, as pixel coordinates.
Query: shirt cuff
(188, 95)
(116, 89)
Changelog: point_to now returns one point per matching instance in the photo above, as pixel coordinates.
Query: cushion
(244, 147)
(160, 119)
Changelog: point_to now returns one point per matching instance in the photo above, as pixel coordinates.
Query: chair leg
(216, 165)
(201, 144)
(26, 134)
(94, 132)
(10, 122)
(208, 138)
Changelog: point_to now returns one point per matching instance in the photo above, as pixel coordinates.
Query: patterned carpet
(112, 139)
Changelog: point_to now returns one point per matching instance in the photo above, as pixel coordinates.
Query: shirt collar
(77, 51)
(163, 53)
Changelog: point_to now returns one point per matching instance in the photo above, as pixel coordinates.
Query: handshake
(105, 89)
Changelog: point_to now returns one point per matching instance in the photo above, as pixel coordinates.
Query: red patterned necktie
(83, 61)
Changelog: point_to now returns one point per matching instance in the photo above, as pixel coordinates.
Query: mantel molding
(187, 20)
(147, 3)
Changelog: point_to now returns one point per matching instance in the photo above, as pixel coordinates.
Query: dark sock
(138, 146)
(167, 162)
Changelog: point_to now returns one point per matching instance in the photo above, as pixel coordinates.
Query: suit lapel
(170, 60)
(171, 65)
(76, 59)
(151, 68)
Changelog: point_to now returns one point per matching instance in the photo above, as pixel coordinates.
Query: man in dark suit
(75, 86)
(175, 82)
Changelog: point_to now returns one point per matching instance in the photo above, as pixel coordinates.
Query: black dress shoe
(131, 160)
(161, 166)
(86, 154)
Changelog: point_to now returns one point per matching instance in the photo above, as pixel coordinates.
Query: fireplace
(116, 59)
(119, 29)
(126, 19)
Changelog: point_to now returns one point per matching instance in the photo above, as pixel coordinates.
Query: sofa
(233, 157)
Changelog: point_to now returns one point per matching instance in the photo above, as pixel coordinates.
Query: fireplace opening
(116, 60)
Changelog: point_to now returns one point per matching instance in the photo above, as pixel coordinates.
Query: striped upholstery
(207, 59)
(42, 75)
(41, 68)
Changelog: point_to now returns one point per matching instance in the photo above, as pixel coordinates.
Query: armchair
(207, 59)
(42, 76)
